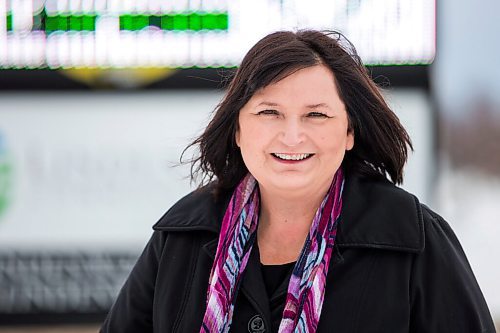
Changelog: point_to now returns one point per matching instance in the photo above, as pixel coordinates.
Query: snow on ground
(470, 202)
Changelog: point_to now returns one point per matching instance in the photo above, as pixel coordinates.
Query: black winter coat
(396, 267)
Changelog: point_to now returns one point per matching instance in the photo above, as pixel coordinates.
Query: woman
(300, 230)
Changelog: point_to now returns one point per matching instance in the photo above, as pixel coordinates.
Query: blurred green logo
(5, 177)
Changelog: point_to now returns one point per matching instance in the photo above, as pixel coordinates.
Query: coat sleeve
(445, 296)
(133, 308)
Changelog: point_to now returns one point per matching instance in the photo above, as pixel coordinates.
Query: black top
(276, 278)
(275, 275)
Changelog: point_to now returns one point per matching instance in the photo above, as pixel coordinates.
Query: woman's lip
(291, 161)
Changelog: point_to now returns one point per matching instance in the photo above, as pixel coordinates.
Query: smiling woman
(301, 227)
(293, 134)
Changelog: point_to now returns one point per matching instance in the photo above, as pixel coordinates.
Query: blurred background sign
(193, 33)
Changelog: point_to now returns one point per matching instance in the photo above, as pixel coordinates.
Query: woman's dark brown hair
(380, 141)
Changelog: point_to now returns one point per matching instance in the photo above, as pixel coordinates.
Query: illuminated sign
(195, 33)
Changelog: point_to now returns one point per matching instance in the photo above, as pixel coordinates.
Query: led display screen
(193, 33)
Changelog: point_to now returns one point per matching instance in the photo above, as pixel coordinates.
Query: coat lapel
(377, 214)
(253, 287)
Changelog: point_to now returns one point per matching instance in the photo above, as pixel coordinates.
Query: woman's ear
(237, 137)
(350, 139)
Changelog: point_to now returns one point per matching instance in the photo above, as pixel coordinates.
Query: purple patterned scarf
(307, 283)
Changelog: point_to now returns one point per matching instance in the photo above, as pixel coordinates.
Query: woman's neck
(284, 223)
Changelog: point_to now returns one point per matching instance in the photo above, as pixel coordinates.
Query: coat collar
(375, 214)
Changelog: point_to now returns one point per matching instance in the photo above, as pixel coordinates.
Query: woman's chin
(291, 187)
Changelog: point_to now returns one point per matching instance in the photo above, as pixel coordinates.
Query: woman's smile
(291, 157)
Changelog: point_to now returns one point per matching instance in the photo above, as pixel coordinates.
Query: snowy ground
(470, 202)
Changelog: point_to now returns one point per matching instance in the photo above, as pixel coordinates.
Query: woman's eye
(268, 112)
(317, 115)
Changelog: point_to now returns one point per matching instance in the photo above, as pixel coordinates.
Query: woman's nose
(292, 132)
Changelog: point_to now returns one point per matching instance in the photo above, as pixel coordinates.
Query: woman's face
(293, 134)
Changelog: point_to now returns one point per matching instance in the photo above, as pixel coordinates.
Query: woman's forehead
(313, 87)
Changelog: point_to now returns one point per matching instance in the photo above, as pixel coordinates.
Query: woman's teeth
(291, 157)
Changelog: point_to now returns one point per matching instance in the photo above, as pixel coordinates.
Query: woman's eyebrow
(267, 104)
(309, 106)
(318, 106)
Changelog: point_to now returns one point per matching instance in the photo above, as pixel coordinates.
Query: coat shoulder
(198, 210)
(438, 232)
(445, 294)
